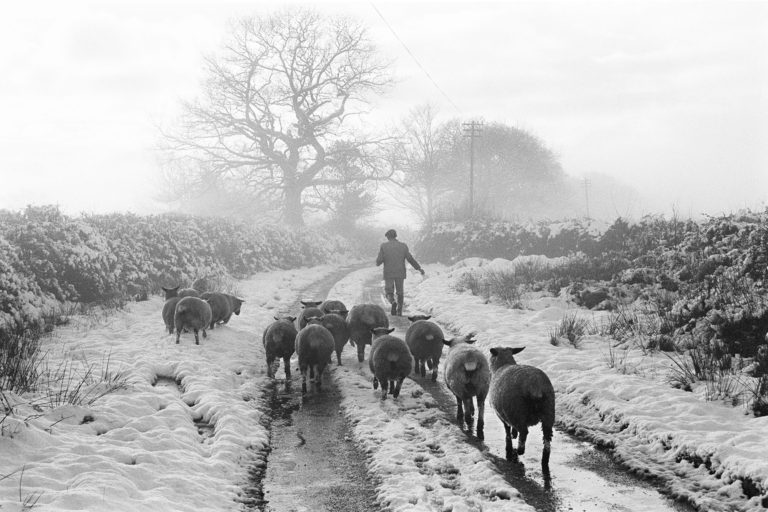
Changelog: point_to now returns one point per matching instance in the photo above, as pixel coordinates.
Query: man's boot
(399, 309)
(393, 311)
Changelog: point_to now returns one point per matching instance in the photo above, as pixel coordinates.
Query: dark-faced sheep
(334, 306)
(390, 362)
(309, 309)
(522, 396)
(425, 340)
(180, 292)
(339, 329)
(467, 375)
(314, 346)
(362, 319)
(169, 309)
(194, 314)
(279, 341)
(202, 285)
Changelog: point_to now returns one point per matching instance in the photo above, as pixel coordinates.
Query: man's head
(391, 234)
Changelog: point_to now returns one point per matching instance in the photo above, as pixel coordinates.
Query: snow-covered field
(150, 448)
(187, 446)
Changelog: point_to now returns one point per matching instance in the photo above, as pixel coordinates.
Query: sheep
(179, 292)
(171, 292)
(522, 396)
(334, 306)
(310, 309)
(467, 374)
(362, 319)
(339, 329)
(314, 346)
(390, 361)
(279, 341)
(202, 285)
(169, 309)
(192, 313)
(222, 306)
(425, 339)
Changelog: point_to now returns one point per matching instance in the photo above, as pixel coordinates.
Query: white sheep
(467, 375)
(522, 396)
(192, 313)
(425, 341)
(390, 361)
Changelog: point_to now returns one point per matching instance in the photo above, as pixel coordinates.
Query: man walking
(393, 254)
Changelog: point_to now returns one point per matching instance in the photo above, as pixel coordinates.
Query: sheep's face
(171, 292)
(503, 356)
(381, 331)
(458, 340)
(236, 303)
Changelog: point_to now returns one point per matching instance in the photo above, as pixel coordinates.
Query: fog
(661, 105)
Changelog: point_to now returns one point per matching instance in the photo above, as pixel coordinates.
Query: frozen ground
(185, 442)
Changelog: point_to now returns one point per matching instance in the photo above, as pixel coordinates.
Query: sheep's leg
(376, 383)
(547, 430)
(303, 369)
(435, 364)
(480, 417)
(205, 334)
(360, 352)
(319, 377)
(287, 365)
(521, 442)
(459, 412)
(178, 335)
(396, 393)
(509, 449)
(338, 357)
(212, 324)
(422, 370)
(197, 338)
(469, 412)
(270, 362)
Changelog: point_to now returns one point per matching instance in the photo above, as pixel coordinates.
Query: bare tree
(421, 155)
(276, 100)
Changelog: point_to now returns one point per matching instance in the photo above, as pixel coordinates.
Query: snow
(701, 450)
(187, 446)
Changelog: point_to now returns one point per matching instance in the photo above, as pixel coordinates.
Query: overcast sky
(668, 96)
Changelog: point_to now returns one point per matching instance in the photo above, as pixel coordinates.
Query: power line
(414, 58)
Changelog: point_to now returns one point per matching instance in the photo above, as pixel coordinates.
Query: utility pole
(472, 130)
(586, 193)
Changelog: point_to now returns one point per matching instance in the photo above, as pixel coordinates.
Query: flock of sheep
(521, 395)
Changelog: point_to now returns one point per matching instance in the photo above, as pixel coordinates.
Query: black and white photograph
(384, 256)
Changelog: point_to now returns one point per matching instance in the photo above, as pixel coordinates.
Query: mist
(649, 107)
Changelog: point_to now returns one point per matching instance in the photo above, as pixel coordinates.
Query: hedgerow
(48, 259)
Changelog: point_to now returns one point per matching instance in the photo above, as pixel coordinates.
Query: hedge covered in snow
(48, 258)
(707, 279)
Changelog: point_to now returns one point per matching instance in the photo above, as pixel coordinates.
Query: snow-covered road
(191, 429)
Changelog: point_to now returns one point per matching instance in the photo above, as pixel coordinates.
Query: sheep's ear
(305, 303)
(517, 350)
(276, 318)
(291, 318)
(495, 351)
(390, 330)
(469, 339)
(448, 342)
(413, 318)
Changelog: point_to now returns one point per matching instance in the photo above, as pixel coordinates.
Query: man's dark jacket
(393, 254)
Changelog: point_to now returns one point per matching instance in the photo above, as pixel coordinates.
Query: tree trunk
(292, 208)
